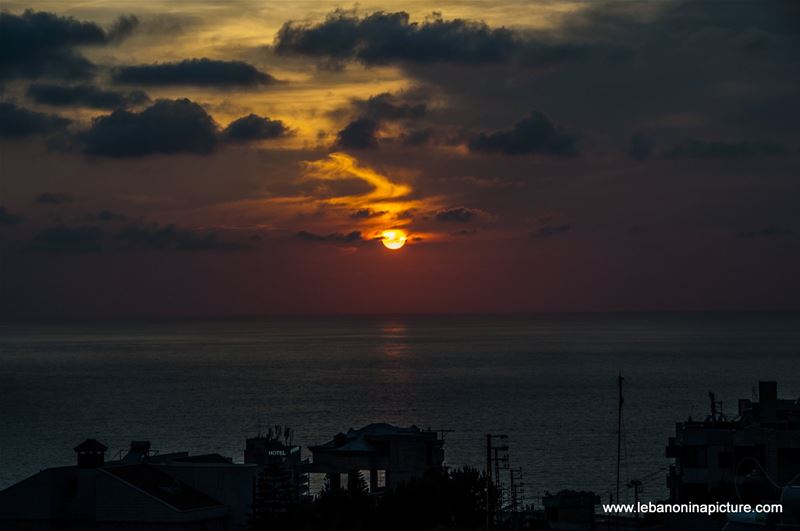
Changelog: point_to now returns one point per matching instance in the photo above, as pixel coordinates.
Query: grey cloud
(84, 95)
(640, 146)
(533, 135)
(166, 237)
(459, 214)
(334, 237)
(52, 198)
(766, 232)
(359, 134)
(169, 127)
(254, 127)
(366, 213)
(68, 240)
(7, 218)
(693, 148)
(382, 37)
(387, 106)
(18, 122)
(35, 44)
(548, 231)
(196, 72)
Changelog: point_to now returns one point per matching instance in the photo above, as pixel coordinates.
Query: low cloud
(381, 37)
(640, 146)
(254, 127)
(535, 135)
(37, 43)
(169, 127)
(367, 213)
(106, 215)
(85, 95)
(333, 237)
(693, 148)
(154, 237)
(769, 231)
(388, 106)
(458, 215)
(359, 134)
(384, 37)
(548, 231)
(18, 122)
(7, 218)
(51, 198)
(68, 240)
(170, 237)
(194, 72)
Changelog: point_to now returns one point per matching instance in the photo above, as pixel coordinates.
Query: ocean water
(549, 382)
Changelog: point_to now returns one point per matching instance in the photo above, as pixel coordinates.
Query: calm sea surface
(548, 382)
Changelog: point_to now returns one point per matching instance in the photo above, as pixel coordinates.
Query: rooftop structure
(749, 457)
(140, 491)
(389, 454)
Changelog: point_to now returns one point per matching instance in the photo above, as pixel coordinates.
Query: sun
(393, 239)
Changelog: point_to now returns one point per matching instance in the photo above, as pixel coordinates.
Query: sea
(547, 382)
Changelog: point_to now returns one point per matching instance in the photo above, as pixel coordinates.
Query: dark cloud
(542, 54)
(417, 137)
(35, 44)
(84, 95)
(198, 72)
(459, 214)
(106, 215)
(358, 134)
(68, 240)
(547, 231)
(18, 122)
(7, 218)
(155, 237)
(334, 237)
(170, 237)
(767, 232)
(382, 37)
(535, 135)
(122, 28)
(640, 146)
(366, 213)
(692, 148)
(50, 198)
(387, 106)
(779, 17)
(254, 127)
(168, 126)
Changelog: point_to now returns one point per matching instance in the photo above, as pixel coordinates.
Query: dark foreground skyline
(208, 159)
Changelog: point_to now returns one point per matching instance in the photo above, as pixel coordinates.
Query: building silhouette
(750, 456)
(139, 491)
(388, 454)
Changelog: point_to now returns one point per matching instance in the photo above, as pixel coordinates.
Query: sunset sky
(199, 158)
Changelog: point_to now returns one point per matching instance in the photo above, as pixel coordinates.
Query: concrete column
(334, 480)
(373, 479)
(352, 478)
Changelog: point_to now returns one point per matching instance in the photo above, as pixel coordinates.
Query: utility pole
(488, 481)
(496, 460)
(619, 428)
(636, 485)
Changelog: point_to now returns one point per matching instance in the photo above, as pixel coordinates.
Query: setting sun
(393, 239)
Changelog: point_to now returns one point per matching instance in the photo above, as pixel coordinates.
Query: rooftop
(163, 486)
